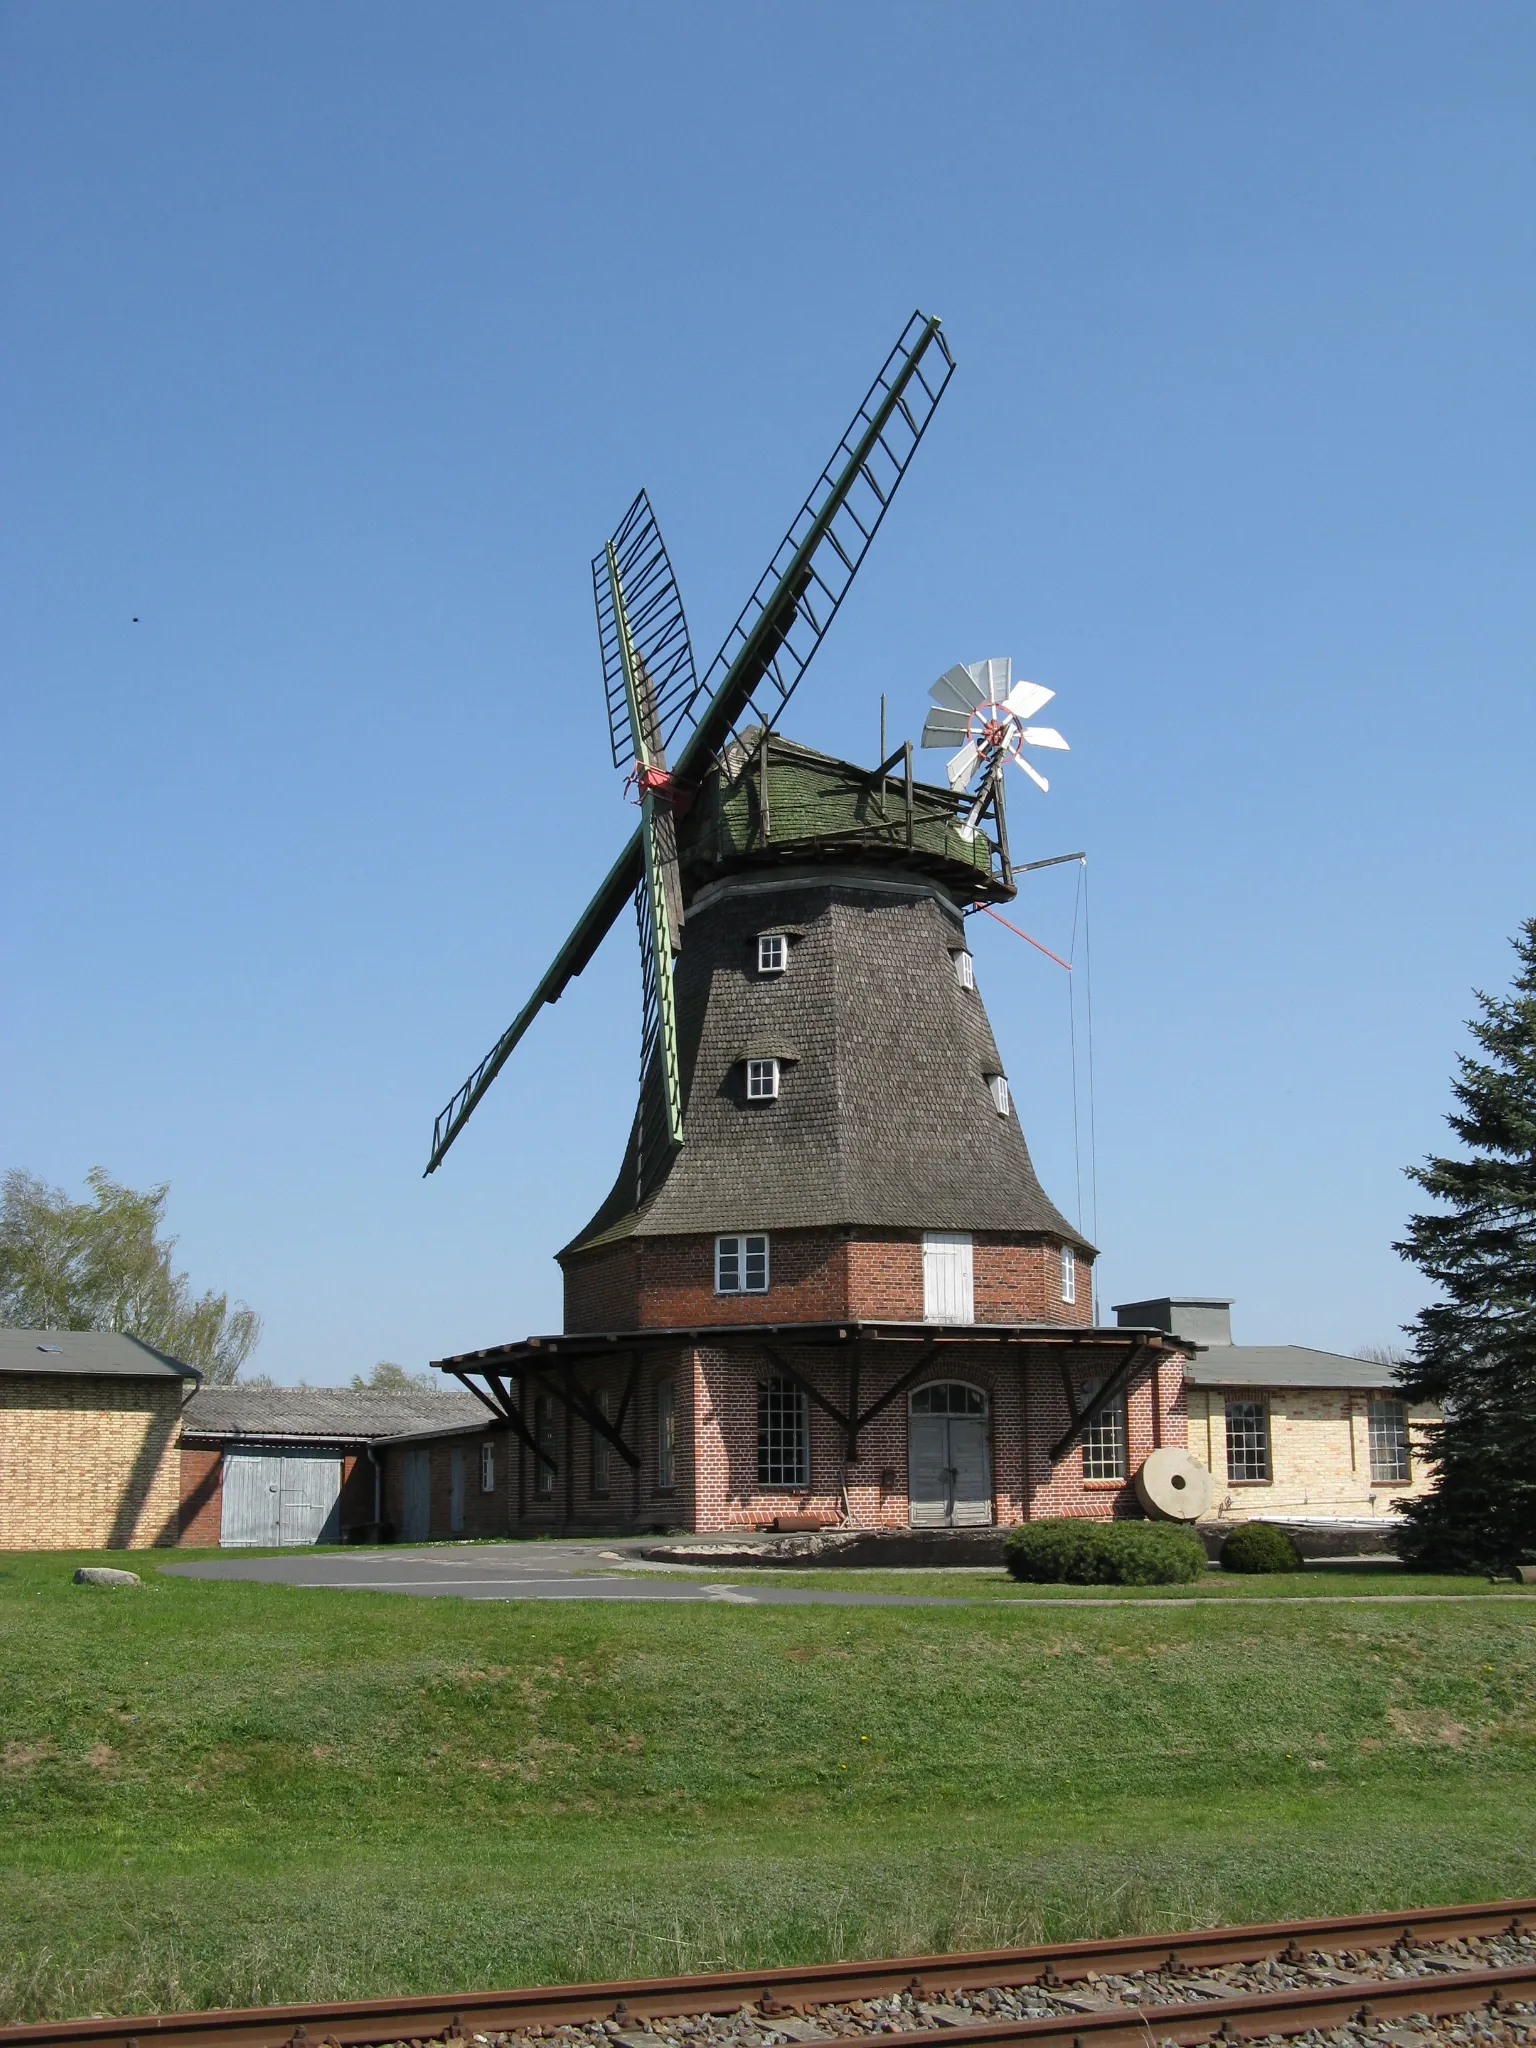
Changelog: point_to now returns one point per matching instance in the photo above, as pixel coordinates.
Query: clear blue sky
(339, 336)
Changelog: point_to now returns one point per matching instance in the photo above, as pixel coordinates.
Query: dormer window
(762, 1080)
(965, 967)
(997, 1087)
(772, 953)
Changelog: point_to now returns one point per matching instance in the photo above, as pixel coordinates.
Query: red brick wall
(668, 1283)
(1020, 1399)
(601, 1291)
(1155, 1416)
(202, 1494)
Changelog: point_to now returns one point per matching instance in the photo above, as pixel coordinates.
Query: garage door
(286, 1498)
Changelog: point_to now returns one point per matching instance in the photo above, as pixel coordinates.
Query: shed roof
(322, 1414)
(1284, 1365)
(106, 1352)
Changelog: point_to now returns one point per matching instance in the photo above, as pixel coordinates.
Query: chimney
(1202, 1318)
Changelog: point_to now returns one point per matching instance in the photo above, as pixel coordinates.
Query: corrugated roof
(1284, 1365)
(88, 1351)
(885, 1121)
(323, 1414)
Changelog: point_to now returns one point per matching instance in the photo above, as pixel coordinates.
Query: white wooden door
(970, 1498)
(949, 1294)
(928, 1472)
(309, 1498)
(417, 1516)
(248, 1499)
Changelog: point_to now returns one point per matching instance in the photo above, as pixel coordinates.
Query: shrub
(1081, 1553)
(1260, 1547)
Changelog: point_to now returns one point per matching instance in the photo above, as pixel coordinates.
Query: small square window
(1068, 1273)
(762, 1080)
(965, 968)
(487, 1468)
(741, 1265)
(997, 1085)
(772, 953)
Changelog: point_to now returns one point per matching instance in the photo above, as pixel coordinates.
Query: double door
(949, 1472)
(285, 1498)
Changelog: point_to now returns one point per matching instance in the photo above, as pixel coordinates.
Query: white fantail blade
(1045, 736)
(1030, 770)
(958, 689)
(945, 727)
(963, 766)
(993, 678)
(1025, 699)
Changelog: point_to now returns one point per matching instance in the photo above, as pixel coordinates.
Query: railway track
(1223, 1985)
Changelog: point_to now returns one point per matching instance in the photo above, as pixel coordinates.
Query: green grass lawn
(1349, 1581)
(213, 1792)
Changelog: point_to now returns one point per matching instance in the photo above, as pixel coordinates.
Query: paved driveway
(519, 1571)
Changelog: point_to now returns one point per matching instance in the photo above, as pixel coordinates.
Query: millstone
(104, 1575)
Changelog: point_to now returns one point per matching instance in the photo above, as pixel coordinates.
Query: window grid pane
(666, 1434)
(755, 1264)
(727, 1265)
(783, 1434)
(965, 969)
(599, 1473)
(1247, 1441)
(770, 955)
(487, 1468)
(1388, 1425)
(762, 1080)
(1068, 1273)
(544, 1434)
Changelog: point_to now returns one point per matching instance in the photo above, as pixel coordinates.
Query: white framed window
(1104, 1438)
(1068, 1273)
(772, 953)
(949, 1284)
(997, 1087)
(741, 1265)
(783, 1434)
(487, 1468)
(965, 967)
(1391, 1461)
(544, 1437)
(666, 1435)
(1248, 1441)
(599, 1472)
(762, 1080)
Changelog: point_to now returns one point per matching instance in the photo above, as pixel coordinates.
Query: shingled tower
(826, 1286)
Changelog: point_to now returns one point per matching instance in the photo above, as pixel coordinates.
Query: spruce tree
(1474, 1349)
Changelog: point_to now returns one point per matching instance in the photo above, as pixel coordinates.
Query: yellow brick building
(89, 1429)
(1287, 1433)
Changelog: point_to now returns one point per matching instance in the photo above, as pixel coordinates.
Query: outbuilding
(1289, 1433)
(89, 1421)
(280, 1466)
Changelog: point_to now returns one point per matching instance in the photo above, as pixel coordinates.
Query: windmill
(657, 707)
(979, 704)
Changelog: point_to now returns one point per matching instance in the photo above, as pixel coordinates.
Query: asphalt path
(580, 1571)
(522, 1571)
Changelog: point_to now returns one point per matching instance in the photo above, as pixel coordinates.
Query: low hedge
(1074, 1552)
(1260, 1547)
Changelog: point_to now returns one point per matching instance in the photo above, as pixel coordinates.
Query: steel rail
(353, 2022)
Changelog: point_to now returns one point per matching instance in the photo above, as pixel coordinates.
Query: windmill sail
(659, 897)
(797, 596)
(766, 651)
(658, 631)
